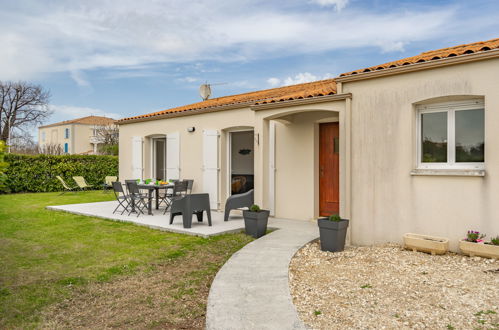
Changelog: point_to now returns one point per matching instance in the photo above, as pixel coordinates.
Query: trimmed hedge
(38, 173)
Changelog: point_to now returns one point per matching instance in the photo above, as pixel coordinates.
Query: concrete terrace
(158, 220)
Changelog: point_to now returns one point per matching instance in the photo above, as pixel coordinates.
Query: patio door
(241, 163)
(329, 168)
(159, 158)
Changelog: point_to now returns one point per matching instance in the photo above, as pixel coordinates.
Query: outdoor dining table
(150, 188)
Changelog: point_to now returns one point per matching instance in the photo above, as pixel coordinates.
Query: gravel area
(387, 287)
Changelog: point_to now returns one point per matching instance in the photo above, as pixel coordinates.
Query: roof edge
(421, 66)
(316, 99)
(78, 121)
(186, 113)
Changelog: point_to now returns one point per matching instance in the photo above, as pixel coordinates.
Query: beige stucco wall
(386, 200)
(81, 141)
(55, 135)
(191, 144)
(78, 141)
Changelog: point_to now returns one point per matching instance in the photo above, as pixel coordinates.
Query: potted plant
(473, 245)
(333, 231)
(255, 221)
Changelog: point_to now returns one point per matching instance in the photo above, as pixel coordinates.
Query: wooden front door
(329, 169)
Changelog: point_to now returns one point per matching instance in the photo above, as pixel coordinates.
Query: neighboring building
(76, 136)
(406, 146)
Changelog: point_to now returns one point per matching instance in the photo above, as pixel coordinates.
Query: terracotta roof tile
(316, 88)
(90, 120)
(323, 87)
(449, 52)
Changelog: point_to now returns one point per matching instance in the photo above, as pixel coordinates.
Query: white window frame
(66, 133)
(450, 108)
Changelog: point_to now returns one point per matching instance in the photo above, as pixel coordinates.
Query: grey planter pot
(255, 223)
(332, 234)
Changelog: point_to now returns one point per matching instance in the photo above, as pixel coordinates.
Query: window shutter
(137, 157)
(210, 166)
(173, 156)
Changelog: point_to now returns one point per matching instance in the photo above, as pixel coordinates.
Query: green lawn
(64, 270)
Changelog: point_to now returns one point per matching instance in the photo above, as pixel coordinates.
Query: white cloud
(338, 4)
(72, 112)
(300, 78)
(79, 78)
(274, 82)
(60, 36)
(189, 79)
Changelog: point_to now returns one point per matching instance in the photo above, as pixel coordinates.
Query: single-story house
(406, 146)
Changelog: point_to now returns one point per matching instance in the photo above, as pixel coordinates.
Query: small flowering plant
(474, 236)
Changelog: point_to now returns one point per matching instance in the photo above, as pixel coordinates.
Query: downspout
(348, 156)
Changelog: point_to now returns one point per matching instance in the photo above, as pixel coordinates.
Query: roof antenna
(205, 90)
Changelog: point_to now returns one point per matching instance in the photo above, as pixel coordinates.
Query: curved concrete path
(251, 290)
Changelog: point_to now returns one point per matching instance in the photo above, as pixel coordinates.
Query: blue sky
(125, 57)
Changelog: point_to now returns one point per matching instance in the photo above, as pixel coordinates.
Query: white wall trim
(272, 166)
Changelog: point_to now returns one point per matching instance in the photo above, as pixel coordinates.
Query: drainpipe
(348, 152)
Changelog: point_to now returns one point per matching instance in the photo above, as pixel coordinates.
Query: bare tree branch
(22, 104)
(109, 138)
(51, 149)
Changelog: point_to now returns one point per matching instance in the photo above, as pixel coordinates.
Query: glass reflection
(470, 136)
(434, 137)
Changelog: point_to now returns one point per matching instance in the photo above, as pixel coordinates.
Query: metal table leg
(149, 202)
(157, 198)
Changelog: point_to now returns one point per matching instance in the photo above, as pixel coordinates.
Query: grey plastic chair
(237, 201)
(190, 183)
(188, 205)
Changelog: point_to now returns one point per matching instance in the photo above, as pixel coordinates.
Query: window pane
(160, 159)
(434, 137)
(470, 136)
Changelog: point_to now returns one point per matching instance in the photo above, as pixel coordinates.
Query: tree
(22, 105)
(109, 137)
(23, 143)
(50, 149)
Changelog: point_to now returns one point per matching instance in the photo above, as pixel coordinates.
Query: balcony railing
(96, 139)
